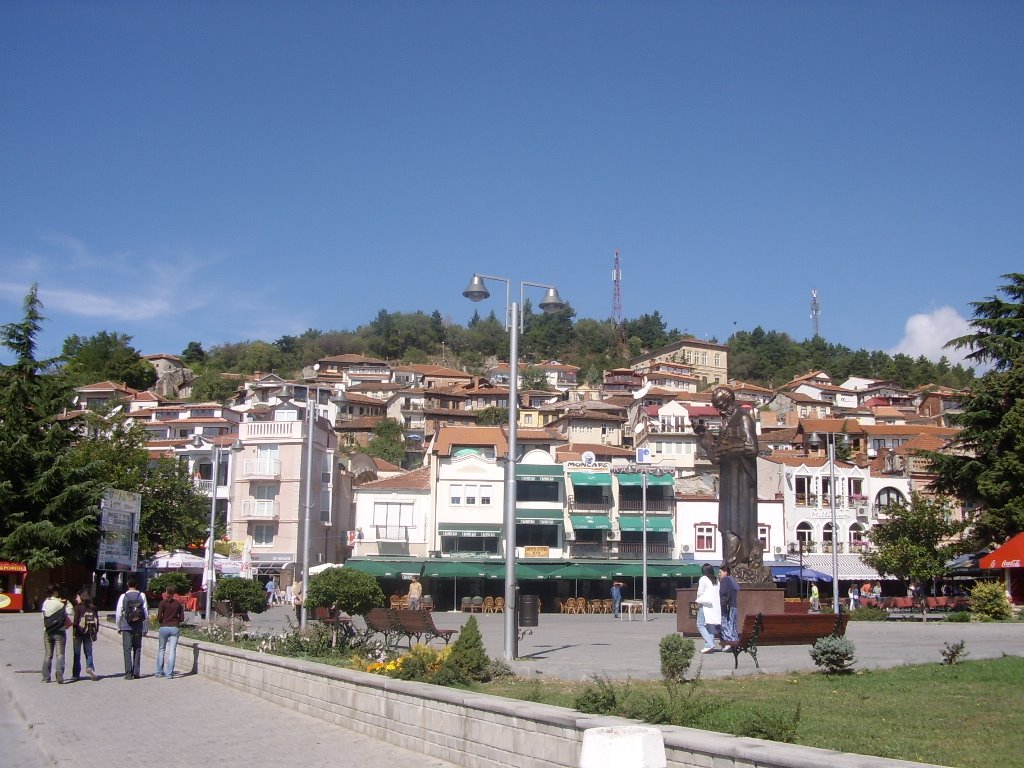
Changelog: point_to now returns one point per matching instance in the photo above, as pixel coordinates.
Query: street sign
(643, 455)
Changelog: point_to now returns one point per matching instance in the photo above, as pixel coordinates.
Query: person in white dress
(709, 615)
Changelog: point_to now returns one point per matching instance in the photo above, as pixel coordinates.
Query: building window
(763, 536)
(470, 495)
(325, 506)
(455, 495)
(705, 538)
(804, 533)
(485, 495)
(263, 534)
(392, 519)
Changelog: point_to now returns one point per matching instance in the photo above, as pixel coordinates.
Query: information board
(119, 526)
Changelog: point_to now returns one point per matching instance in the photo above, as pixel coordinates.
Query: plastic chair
(499, 605)
(427, 603)
(488, 606)
(477, 605)
(466, 605)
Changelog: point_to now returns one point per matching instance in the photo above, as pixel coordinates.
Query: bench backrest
(792, 629)
(413, 620)
(378, 620)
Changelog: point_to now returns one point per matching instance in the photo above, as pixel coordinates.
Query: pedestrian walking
(55, 635)
(169, 615)
(132, 617)
(815, 598)
(85, 631)
(728, 591)
(271, 589)
(710, 612)
(617, 599)
(415, 593)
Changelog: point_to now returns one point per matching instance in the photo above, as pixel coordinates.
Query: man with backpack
(55, 636)
(86, 629)
(132, 622)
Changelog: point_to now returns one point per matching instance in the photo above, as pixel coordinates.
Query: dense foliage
(48, 505)
(106, 356)
(346, 589)
(985, 463)
(916, 541)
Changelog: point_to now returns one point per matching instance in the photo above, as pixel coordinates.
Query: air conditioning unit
(778, 550)
(613, 535)
(862, 510)
(686, 547)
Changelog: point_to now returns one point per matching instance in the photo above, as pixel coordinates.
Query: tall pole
(311, 419)
(643, 509)
(215, 456)
(511, 606)
(832, 505)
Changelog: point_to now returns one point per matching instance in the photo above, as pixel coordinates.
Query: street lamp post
(312, 399)
(215, 455)
(552, 302)
(830, 441)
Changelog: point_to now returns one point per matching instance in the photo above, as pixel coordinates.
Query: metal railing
(261, 509)
(262, 468)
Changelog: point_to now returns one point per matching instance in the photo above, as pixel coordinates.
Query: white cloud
(927, 334)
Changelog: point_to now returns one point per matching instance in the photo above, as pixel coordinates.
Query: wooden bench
(785, 629)
(420, 624)
(379, 621)
(223, 609)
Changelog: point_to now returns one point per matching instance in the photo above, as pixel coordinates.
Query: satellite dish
(588, 457)
(639, 428)
(642, 392)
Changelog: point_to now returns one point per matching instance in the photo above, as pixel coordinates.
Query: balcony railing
(630, 549)
(590, 549)
(260, 509)
(603, 506)
(262, 468)
(205, 487)
(254, 430)
(653, 505)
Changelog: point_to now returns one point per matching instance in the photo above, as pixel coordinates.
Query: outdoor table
(629, 607)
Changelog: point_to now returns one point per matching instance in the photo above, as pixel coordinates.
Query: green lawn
(970, 715)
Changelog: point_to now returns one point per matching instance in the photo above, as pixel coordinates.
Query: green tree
(106, 356)
(985, 461)
(345, 589)
(242, 596)
(916, 541)
(491, 417)
(48, 514)
(388, 441)
(533, 378)
(212, 387)
(113, 451)
(193, 354)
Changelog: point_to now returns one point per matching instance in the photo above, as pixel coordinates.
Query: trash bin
(528, 610)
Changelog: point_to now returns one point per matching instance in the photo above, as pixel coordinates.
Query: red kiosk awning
(1010, 555)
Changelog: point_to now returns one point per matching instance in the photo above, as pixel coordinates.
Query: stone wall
(471, 729)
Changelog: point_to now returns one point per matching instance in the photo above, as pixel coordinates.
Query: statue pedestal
(753, 599)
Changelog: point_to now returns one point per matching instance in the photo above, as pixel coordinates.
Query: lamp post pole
(552, 302)
(832, 506)
(643, 537)
(215, 457)
(311, 396)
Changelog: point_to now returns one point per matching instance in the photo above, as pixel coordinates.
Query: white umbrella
(322, 567)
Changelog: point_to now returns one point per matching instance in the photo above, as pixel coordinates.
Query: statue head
(723, 398)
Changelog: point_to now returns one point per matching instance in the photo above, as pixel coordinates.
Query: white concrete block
(624, 746)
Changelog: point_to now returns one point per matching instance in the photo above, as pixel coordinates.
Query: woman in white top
(710, 612)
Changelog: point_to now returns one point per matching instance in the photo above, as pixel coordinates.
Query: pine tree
(46, 517)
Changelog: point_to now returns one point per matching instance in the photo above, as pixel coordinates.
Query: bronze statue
(734, 450)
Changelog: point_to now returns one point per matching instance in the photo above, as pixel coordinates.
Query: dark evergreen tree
(48, 513)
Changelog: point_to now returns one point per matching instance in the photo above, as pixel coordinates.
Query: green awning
(483, 530)
(539, 516)
(590, 478)
(626, 478)
(524, 571)
(385, 568)
(458, 569)
(583, 571)
(611, 571)
(539, 472)
(636, 523)
(591, 522)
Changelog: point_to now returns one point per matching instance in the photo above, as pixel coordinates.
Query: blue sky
(229, 171)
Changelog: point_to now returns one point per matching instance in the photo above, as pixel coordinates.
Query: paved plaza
(44, 723)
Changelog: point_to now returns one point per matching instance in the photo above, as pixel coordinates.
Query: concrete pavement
(86, 724)
(576, 647)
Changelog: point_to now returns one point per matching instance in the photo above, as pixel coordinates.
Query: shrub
(988, 598)
(159, 584)
(833, 653)
(869, 613)
(243, 595)
(953, 653)
(958, 617)
(599, 698)
(353, 592)
(468, 661)
(771, 724)
(676, 654)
